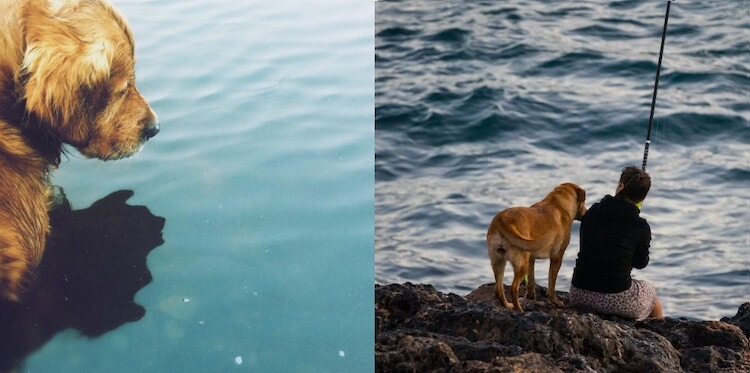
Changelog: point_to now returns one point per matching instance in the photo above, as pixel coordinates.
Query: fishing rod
(656, 88)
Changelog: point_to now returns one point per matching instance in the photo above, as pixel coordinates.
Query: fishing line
(656, 87)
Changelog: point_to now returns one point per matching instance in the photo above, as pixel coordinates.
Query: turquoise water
(263, 172)
(485, 105)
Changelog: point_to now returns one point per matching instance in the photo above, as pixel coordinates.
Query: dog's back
(531, 228)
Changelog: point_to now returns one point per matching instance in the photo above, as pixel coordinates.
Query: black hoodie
(614, 239)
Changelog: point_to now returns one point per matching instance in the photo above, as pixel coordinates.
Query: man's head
(634, 184)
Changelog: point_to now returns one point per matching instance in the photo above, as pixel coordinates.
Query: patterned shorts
(634, 303)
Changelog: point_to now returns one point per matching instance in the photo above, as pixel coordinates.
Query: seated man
(614, 240)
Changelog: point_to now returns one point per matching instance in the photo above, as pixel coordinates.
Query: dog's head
(580, 198)
(78, 77)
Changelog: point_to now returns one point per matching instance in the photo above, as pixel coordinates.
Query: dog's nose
(151, 130)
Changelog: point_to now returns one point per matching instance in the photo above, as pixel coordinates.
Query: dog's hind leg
(497, 261)
(498, 267)
(531, 283)
(520, 269)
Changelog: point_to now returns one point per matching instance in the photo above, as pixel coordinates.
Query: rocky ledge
(419, 329)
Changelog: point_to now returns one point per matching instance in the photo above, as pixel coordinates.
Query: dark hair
(636, 184)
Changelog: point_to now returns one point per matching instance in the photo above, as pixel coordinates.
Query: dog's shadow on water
(94, 264)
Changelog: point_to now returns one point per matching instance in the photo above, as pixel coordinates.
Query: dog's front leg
(554, 268)
(14, 266)
(24, 224)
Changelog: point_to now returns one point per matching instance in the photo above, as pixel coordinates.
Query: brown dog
(523, 234)
(66, 76)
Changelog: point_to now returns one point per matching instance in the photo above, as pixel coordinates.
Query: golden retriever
(523, 234)
(66, 76)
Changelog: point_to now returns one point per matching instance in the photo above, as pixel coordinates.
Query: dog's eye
(124, 90)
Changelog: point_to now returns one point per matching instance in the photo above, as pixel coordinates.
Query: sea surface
(484, 105)
(263, 173)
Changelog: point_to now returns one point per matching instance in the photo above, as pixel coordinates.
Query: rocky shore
(419, 329)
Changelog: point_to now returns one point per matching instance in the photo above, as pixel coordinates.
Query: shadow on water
(94, 264)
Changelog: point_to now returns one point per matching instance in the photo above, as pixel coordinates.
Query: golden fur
(523, 234)
(66, 76)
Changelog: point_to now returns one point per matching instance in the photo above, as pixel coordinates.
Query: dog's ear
(581, 194)
(60, 60)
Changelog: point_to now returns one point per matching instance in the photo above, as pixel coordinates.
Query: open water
(484, 105)
(263, 175)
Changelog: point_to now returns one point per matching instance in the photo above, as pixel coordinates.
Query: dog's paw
(557, 302)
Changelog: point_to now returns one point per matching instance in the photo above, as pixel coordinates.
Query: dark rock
(688, 334)
(742, 319)
(420, 329)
